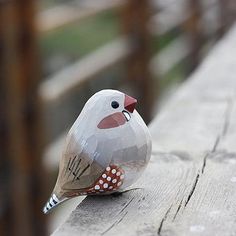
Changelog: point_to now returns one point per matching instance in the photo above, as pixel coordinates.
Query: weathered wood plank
(189, 186)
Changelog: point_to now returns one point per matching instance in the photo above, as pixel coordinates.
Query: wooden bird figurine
(106, 149)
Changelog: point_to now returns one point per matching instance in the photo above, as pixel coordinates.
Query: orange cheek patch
(112, 121)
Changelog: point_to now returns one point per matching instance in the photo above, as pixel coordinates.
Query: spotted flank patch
(111, 180)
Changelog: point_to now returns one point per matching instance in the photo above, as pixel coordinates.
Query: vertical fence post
(136, 17)
(194, 32)
(226, 14)
(4, 169)
(22, 109)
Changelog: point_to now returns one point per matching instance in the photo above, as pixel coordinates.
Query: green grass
(159, 42)
(80, 39)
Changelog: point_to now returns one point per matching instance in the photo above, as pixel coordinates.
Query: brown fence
(23, 94)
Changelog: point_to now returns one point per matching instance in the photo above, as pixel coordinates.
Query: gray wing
(78, 166)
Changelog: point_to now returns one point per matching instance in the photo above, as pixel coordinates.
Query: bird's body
(106, 149)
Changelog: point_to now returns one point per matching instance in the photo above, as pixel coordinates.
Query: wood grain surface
(189, 187)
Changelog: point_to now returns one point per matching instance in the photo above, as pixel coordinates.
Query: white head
(107, 109)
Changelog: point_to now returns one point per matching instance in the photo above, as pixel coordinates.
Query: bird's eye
(115, 104)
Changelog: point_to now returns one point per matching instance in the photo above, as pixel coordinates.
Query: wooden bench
(189, 187)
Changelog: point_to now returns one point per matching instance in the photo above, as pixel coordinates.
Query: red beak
(130, 103)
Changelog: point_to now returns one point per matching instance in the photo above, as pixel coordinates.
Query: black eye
(115, 104)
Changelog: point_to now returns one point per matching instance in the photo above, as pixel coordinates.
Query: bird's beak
(130, 103)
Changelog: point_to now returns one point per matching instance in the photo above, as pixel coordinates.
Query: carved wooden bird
(106, 149)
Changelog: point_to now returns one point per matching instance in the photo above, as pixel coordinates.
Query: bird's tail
(51, 203)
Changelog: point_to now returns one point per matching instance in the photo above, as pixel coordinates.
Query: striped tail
(51, 203)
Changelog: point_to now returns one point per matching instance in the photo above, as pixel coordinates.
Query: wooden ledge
(189, 187)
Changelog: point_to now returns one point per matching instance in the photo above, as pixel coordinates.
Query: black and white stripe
(52, 202)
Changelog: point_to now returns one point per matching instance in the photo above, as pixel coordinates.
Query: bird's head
(113, 108)
(120, 107)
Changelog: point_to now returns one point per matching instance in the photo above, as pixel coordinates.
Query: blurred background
(54, 54)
